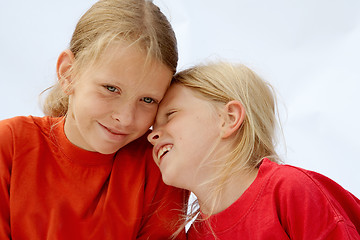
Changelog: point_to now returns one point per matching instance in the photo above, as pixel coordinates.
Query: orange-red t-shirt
(51, 189)
(285, 202)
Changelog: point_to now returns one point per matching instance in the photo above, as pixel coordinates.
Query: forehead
(128, 65)
(175, 95)
(116, 52)
(186, 102)
(179, 91)
(123, 56)
(181, 98)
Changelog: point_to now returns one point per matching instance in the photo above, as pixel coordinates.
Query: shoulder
(26, 122)
(14, 134)
(297, 188)
(14, 121)
(20, 130)
(9, 127)
(292, 178)
(304, 197)
(292, 189)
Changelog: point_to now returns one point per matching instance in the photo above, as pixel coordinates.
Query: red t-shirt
(51, 189)
(286, 202)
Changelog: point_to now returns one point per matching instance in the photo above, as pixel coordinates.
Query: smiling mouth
(112, 131)
(164, 150)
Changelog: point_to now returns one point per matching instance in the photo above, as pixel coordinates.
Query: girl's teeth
(164, 150)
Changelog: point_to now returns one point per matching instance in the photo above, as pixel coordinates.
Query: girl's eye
(148, 100)
(111, 88)
(170, 113)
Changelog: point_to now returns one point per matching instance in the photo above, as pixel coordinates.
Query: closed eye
(168, 114)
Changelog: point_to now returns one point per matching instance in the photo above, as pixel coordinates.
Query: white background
(308, 49)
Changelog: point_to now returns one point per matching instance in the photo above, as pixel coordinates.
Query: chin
(171, 182)
(108, 152)
(166, 179)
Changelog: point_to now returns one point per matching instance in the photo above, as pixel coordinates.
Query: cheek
(97, 107)
(202, 137)
(90, 101)
(145, 118)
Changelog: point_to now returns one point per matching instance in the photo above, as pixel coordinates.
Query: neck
(232, 189)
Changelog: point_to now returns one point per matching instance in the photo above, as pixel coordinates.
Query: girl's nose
(125, 114)
(153, 136)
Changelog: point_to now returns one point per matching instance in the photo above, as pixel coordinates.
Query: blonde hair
(221, 82)
(137, 22)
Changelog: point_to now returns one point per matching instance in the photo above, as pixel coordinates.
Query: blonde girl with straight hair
(215, 135)
(85, 170)
(138, 23)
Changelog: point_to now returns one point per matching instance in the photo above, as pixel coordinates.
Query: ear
(234, 115)
(63, 70)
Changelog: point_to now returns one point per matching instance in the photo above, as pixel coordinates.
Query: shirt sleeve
(163, 206)
(6, 146)
(313, 207)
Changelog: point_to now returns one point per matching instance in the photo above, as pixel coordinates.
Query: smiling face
(115, 102)
(186, 129)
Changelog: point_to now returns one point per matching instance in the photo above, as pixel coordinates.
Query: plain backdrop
(307, 49)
